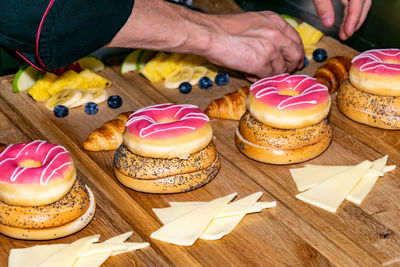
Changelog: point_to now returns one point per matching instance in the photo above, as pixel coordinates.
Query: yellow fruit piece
(92, 80)
(69, 79)
(192, 61)
(39, 90)
(154, 68)
(170, 64)
(66, 97)
(309, 34)
(179, 76)
(198, 73)
(308, 50)
(212, 71)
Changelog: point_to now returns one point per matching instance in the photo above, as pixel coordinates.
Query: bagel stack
(372, 99)
(70, 211)
(279, 143)
(146, 167)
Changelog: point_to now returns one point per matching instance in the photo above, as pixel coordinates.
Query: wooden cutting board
(294, 233)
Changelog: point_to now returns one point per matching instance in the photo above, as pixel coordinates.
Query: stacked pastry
(372, 94)
(40, 195)
(285, 120)
(167, 149)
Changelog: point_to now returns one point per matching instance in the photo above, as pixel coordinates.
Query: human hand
(355, 12)
(258, 43)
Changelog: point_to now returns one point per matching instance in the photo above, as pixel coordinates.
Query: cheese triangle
(186, 229)
(330, 193)
(364, 186)
(32, 256)
(223, 226)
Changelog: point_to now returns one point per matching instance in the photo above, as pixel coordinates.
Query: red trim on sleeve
(30, 63)
(39, 31)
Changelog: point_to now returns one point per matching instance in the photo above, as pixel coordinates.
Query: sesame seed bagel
(48, 233)
(284, 146)
(374, 110)
(71, 206)
(258, 133)
(142, 168)
(182, 181)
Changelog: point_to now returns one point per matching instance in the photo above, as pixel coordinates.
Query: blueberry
(185, 88)
(222, 79)
(306, 62)
(114, 101)
(320, 55)
(91, 108)
(60, 111)
(205, 83)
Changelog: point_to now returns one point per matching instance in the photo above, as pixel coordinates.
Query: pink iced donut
(167, 131)
(377, 72)
(288, 101)
(34, 174)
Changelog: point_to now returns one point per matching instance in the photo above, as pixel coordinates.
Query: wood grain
(292, 234)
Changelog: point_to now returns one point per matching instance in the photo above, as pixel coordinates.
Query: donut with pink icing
(377, 72)
(288, 101)
(167, 131)
(35, 173)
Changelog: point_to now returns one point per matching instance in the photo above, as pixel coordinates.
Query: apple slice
(92, 63)
(289, 19)
(136, 60)
(25, 78)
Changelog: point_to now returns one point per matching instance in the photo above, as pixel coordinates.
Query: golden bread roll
(333, 72)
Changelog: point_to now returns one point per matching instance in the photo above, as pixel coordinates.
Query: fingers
(355, 12)
(364, 13)
(325, 11)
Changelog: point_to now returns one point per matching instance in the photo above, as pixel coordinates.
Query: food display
(372, 94)
(166, 149)
(40, 195)
(285, 120)
(328, 186)
(81, 253)
(184, 223)
(333, 73)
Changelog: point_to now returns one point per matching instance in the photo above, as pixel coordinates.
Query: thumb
(325, 11)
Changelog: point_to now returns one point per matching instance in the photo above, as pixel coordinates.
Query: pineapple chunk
(309, 35)
(69, 79)
(152, 70)
(91, 79)
(192, 61)
(40, 89)
(308, 50)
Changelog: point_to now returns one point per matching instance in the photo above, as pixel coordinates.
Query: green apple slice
(136, 60)
(24, 79)
(289, 19)
(92, 63)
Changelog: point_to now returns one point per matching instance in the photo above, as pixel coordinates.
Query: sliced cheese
(132, 246)
(32, 256)
(260, 205)
(223, 226)
(69, 254)
(364, 186)
(310, 175)
(389, 168)
(186, 229)
(330, 193)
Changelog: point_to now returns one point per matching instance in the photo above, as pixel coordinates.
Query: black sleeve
(53, 34)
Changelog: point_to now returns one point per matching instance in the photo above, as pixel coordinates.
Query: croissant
(231, 106)
(109, 135)
(333, 72)
(2, 147)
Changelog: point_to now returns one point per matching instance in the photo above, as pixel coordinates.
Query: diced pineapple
(39, 90)
(69, 79)
(154, 68)
(91, 79)
(309, 35)
(192, 61)
(308, 50)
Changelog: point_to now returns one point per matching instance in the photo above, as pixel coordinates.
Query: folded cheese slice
(186, 229)
(330, 193)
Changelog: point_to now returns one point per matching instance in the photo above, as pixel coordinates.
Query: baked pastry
(372, 94)
(109, 135)
(40, 195)
(166, 149)
(333, 72)
(286, 120)
(2, 147)
(231, 106)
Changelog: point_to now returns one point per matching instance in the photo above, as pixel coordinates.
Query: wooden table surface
(293, 233)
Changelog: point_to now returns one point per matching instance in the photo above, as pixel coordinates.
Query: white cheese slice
(364, 186)
(389, 168)
(223, 226)
(69, 254)
(186, 229)
(32, 256)
(131, 246)
(330, 193)
(260, 204)
(306, 177)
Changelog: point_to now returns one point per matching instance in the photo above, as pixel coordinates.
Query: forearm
(159, 25)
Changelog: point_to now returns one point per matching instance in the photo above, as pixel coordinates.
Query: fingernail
(327, 20)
